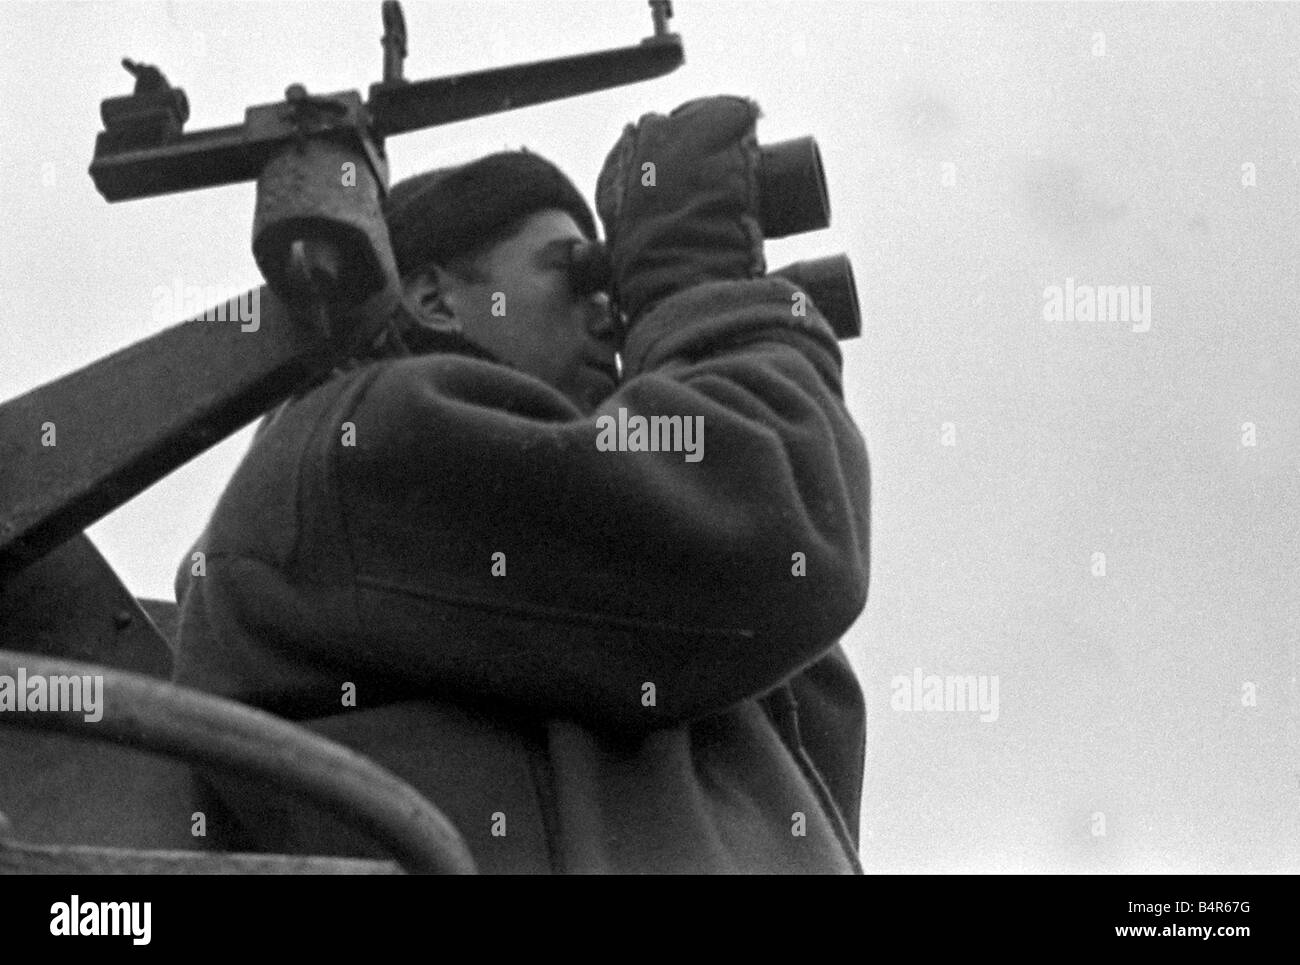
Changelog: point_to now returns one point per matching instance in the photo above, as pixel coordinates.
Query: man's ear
(423, 292)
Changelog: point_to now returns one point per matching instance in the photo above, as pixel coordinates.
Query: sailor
(591, 658)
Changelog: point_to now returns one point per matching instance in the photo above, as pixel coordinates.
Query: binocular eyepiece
(792, 199)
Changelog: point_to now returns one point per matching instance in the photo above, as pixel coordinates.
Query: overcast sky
(979, 157)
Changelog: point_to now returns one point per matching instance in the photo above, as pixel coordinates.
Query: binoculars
(792, 199)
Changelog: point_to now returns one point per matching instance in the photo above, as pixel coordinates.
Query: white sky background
(1120, 695)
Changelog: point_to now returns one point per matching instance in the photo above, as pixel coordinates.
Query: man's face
(516, 301)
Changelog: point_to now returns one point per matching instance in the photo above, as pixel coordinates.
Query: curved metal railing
(190, 725)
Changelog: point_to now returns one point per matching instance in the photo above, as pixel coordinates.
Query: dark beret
(440, 214)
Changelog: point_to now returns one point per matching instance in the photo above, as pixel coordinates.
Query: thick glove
(679, 198)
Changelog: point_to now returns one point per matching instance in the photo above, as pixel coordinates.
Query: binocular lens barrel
(829, 283)
(792, 188)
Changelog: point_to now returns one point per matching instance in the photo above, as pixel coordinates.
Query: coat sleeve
(473, 487)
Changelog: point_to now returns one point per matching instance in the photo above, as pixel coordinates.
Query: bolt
(661, 11)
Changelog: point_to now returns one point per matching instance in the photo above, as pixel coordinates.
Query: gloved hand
(679, 198)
